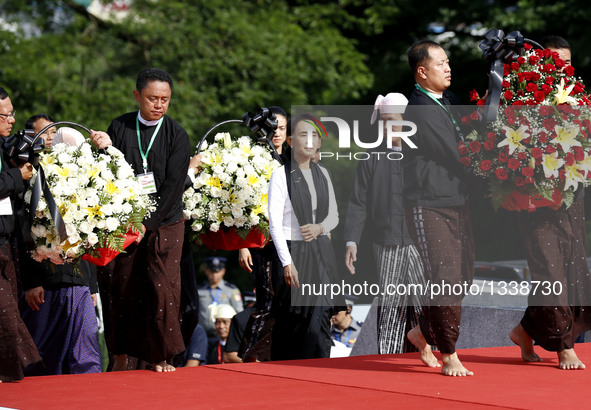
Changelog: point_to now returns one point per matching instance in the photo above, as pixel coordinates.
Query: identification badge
(5, 206)
(147, 182)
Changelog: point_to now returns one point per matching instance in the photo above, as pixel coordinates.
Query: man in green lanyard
(141, 287)
(435, 202)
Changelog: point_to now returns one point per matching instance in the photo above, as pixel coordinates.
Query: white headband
(68, 136)
(392, 103)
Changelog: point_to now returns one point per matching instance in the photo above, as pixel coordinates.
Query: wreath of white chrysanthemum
(99, 199)
(231, 187)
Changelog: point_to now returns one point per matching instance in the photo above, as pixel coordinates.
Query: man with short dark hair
(142, 285)
(436, 202)
(39, 121)
(559, 45)
(17, 349)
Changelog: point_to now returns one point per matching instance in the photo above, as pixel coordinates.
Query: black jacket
(376, 201)
(433, 174)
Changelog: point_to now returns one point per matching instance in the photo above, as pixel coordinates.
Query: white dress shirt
(281, 226)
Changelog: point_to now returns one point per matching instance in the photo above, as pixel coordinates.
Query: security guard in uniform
(216, 291)
(345, 328)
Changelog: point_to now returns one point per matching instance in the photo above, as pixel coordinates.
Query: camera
(22, 147)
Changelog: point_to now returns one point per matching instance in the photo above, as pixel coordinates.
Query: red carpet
(501, 379)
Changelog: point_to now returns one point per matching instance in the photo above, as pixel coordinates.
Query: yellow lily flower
(513, 138)
(566, 137)
(562, 95)
(551, 164)
(573, 177)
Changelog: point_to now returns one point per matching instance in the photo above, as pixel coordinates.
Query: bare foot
(453, 367)
(163, 367)
(119, 363)
(415, 336)
(520, 337)
(568, 360)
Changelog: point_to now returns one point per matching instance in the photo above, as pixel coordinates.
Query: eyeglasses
(7, 116)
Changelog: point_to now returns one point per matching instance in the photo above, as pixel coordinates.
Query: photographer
(17, 349)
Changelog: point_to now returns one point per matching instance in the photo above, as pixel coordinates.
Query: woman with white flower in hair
(302, 213)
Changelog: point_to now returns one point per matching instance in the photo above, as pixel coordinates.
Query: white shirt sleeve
(278, 198)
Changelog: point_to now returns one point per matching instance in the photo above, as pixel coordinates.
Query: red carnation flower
(533, 60)
(503, 156)
(547, 53)
(549, 123)
(579, 155)
(501, 174)
(527, 46)
(463, 149)
(559, 63)
(513, 164)
(475, 146)
(569, 70)
(546, 89)
(515, 66)
(535, 76)
(549, 80)
(536, 153)
(550, 68)
(539, 96)
(550, 149)
(543, 137)
(485, 165)
(577, 89)
(569, 159)
(465, 161)
(546, 110)
(506, 84)
(492, 136)
(508, 95)
(521, 60)
(488, 145)
(531, 87)
(527, 172)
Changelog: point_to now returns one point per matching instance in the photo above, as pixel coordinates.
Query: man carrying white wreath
(142, 286)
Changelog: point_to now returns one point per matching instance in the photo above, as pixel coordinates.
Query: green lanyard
(444, 107)
(139, 141)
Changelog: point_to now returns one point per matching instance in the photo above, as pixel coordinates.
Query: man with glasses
(17, 349)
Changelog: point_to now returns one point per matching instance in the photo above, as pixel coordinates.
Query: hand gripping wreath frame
(263, 125)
